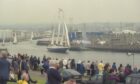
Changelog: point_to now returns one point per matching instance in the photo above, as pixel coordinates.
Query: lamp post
(132, 54)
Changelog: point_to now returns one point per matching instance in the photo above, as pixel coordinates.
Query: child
(24, 79)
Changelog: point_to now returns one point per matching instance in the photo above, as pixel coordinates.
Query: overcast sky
(45, 11)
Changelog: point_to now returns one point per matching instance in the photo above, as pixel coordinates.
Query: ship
(60, 44)
(44, 42)
(117, 42)
(81, 45)
(78, 42)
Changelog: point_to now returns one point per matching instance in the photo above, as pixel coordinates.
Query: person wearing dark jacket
(80, 68)
(92, 68)
(53, 74)
(4, 68)
(22, 66)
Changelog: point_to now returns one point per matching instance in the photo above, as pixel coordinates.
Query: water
(32, 49)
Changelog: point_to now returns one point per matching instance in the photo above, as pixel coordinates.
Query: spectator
(80, 67)
(24, 78)
(72, 64)
(101, 68)
(4, 68)
(113, 78)
(53, 73)
(114, 66)
(88, 67)
(92, 68)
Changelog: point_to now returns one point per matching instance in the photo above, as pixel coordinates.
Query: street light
(132, 54)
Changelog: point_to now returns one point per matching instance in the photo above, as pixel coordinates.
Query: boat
(80, 45)
(43, 42)
(117, 42)
(15, 39)
(59, 49)
(61, 43)
(78, 42)
(3, 41)
(32, 36)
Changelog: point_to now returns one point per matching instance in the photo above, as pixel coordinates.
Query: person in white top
(88, 67)
(65, 64)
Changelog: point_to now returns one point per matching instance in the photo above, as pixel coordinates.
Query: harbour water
(30, 48)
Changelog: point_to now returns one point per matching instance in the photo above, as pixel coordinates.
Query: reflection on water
(32, 49)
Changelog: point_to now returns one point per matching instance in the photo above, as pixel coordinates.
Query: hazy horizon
(76, 11)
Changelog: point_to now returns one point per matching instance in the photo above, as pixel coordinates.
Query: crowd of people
(20, 65)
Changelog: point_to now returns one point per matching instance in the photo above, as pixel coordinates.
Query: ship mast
(67, 37)
(52, 41)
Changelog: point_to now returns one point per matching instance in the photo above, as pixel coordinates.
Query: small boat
(43, 42)
(32, 36)
(3, 41)
(15, 39)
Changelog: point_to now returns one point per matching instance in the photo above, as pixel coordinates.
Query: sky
(76, 11)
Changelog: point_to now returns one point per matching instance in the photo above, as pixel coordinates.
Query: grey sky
(45, 11)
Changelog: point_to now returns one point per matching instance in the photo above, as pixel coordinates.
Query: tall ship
(60, 40)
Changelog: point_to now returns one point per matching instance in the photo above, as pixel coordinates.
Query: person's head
(107, 67)
(25, 76)
(121, 65)
(112, 71)
(21, 57)
(53, 63)
(93, 63)
(3, 54)
(101, 61)
(114, 63)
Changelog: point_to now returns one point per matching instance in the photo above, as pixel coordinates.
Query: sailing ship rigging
(60, 43)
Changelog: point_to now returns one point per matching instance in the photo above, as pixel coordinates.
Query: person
(101, 68)
(53, 74)
(4, 68)
(92, 68)
(114, 66)
(22, 66)
(65, 64)
(45, 66)
(38, 60)
(69, 64)
(35, 63)
(72, 64)
(113, 78)
(96, 69)
(120, 68)
(80, 67)
(24, 78)
(106, 73)
(88, 68)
